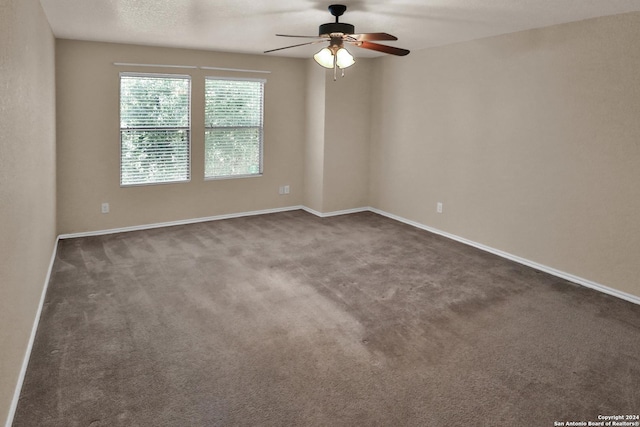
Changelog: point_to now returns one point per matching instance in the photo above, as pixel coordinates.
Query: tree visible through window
(154, 128)
(233, 127)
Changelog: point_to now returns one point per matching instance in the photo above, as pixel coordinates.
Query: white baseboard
(334, 213)
(555, 272)
(550, 270)
(211, 218)
(34, 329)
(558, 273)
(179, 222)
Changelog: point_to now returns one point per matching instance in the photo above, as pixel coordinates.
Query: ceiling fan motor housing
(339, 32)
(335, 27)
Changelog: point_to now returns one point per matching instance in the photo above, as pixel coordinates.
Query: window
(233, 127)
(154, 128)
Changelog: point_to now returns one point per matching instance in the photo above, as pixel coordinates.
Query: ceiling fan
(337, 34)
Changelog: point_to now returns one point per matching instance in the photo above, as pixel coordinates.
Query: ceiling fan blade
(304, 37)
(371, 36)
(382, 48)
(296, 45)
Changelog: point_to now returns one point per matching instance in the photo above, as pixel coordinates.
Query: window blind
(233, 127)
(154, 128)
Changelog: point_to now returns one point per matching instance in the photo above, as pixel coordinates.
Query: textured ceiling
(249, 26)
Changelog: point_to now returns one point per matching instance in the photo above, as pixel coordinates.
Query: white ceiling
(249, 26)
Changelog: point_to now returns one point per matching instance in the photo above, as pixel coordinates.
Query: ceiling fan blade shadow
(295, 45)
(382, 48)
(427, 12)
(371, 36)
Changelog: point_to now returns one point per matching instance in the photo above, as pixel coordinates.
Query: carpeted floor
(292, 320)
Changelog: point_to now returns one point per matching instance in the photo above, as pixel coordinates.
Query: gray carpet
(292, 320)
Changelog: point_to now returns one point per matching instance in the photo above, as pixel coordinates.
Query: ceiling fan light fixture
(344, 59)
(324, 58)
(338, 34)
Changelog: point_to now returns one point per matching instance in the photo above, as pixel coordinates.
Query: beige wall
(337, 144)
(27, 179)
(314, 141)
(530, 140)
(88, 138)
(347, 138)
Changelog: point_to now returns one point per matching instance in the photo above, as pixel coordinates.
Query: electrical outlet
(105, 208)
(284, 189)
(439, 207)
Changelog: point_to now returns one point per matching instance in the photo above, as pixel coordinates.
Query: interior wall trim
(32, 337)
(558, 273)
(192, 67)
(334, 213)
(550, 270)
(211, 218)
(555, 272)
(179, 222)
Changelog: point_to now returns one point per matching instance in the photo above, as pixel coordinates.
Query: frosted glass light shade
(344, 58)
(324, 58)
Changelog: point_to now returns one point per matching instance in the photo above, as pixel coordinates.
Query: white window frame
(187, 128)
(261, 131)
